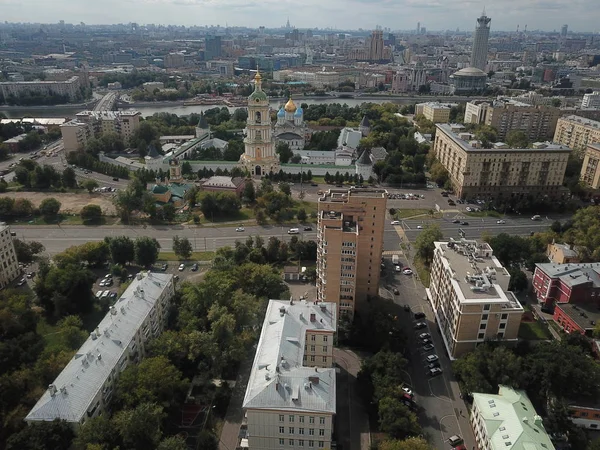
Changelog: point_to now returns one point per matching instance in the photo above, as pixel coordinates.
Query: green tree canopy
(122, 249)
(140, 428)
(146, 251)
(91, 213)
(424, 243)
(49, 207)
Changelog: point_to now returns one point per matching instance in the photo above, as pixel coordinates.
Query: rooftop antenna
(483, 13)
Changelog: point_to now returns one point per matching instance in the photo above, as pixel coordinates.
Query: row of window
(311, 431)
(313, 348)
(321, 444)
(292, 419)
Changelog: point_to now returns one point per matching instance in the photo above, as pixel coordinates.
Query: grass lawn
(309, 207)
(196, 256)
(533, 331)
(484, 214)
(242, 215)
(406, 213)
(65, 220)
(422, 271)
(49, 333)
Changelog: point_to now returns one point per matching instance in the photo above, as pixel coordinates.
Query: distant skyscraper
(376, 46)
(212, 48)
(418, 27)
(480, 42)
(564, 30)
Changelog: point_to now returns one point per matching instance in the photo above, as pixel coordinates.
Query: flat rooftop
(582, 121)
(341, 194)
(585, 316)
(477, 275)
(573, 274)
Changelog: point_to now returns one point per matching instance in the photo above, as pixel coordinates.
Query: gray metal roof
(573, 274)
(84, 376)
(278, 379)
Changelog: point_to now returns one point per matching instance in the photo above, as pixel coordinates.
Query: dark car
(307, 228)
(464, 223)
(115, 179)
(419, 315)
(433, 365)
(407, 308)
(164, 267)
(456, 221)
(314, 184)
(21, 282)
(194, 267)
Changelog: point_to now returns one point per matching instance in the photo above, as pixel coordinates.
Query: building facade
(537, 122)
(290, 400)
(562, 253)
(350, 228)
(479, 53)
(9, 266)
(577, 283)
(481, 172)
(69, 88)
(577, 132)
(434, 111)
(470, 298)
(590, 170)
(591, 100)
(468, 80)
(259, 156)
(290, 127)
(507, 421)
(86, 385)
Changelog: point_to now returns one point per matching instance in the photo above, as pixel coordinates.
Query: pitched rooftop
(278, 380)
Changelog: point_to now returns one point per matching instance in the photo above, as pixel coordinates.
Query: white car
(432, 358)
(500, 222)
(408, 391)
(407, 272)
(240, 229)
(469, 209)
(398, 268)
(395, 222)
(419, 227)
(181, 267)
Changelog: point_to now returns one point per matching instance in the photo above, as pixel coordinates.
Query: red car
(459, 447)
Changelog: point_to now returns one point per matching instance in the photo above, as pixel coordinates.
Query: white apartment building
(9, 266)
(290, 399)
(85, 386)
(470, 298)
(70, 87)
(577, 132)
(88, 124)
(316, 79)
(507, 421)
(591, 100)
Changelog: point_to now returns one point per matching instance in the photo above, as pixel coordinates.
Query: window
(291, 418)
(481, 336)
(300, 430)
(312, 348)
(311, 431)
(301, 419)
(281, 430)
(291, 430)
(321, 444)
(281, 417)
(312, 358)
(311, 443)
(484, 317)
(324, 349)
(291, 442)
(502, 326)
(311, 419)
(325, 338)
(486, 307)
(324, 359)
(301, 442)
(504, 316)
(281, 441)
(482, 326)
(321, 432)
(322, 420)
(313, 337)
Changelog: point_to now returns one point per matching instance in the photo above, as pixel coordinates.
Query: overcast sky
(580, 15)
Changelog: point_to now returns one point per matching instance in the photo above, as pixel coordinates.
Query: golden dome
(290, 106)
(257, 77)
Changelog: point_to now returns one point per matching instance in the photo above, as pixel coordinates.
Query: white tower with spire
(259, 156)
(479, 52)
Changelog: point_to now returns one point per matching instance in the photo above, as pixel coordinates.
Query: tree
(517, 139)
(396, 419)
(174, 443)
(49, 207)
(56, 435)
(424, 244)
(284, 152)
(518, 280)
(207, 440)
(122, 249)
(68, 178)
(97, 431)
(90, 185)
(249, 193)
(91, 213)
(286, 189)
(140, 428)
(146, 251)
(413, 443)
(301, 215)
(27, 250)
(168, 212)
(154, 380)
(182, 247)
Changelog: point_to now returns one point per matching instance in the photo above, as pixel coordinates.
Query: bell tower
(259, 156)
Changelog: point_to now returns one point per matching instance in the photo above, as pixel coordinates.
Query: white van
(294, 231)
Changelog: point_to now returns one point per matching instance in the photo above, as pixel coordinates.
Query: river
(179, 109)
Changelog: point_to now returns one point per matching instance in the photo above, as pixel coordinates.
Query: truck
(396, 259)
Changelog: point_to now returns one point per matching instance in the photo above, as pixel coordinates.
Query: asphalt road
(438, 399)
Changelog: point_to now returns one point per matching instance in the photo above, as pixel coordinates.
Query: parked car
(108, 282)
(426, 341)
(102, 283)
(419, 227)
(464, 223)
(419, 315)
(113, 295)
(424, 336)
(428, 347)
(500, 222)
(164, 267)
(456, 221)
(432, 358)
(31, 275)
(433, 365)
(194, 267)
(396, 291)
(21, 282)
(307, 228)
(397, 268)
(314, 184)
(240, 229)
(115, 179)
(407, 308)
(181, 267)
(455, 440)
(407, 271)
(408, 390)
(420, 325)
(435, 372)
(395, 222)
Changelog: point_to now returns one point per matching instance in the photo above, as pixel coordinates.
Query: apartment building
(506, 115)
(585, 415)
(590, 170)
(9, 266)
(577, 132)
(350, 229)
(69, 88)
(290, 400)
(591, 100)
(502, 171)
(435, 111)
(567, 283)
(85, 386)
(507, 421)
(562, 253)
(470, 298)
(88, 124)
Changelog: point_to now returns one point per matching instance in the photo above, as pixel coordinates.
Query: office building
(507, 421)
(85, 386)
(174, 60)
(9, 266)
(70, 88)
(435, 111)
(590, 170)
(506, 115)
(501, 171)
(212, 48)
(479, 52)
(376, 46)
(469, 296)
(577, 132)
(290, 398)
(350, 229)
(591, 100)
(88, 124)
(564, 30)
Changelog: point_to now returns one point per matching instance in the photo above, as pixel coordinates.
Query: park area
(70, 203)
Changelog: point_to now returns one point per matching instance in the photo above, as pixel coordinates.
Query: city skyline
(337, 14)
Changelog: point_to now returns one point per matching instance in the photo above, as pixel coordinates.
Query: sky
(548, 15)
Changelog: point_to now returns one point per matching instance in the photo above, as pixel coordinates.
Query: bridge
(106, 103)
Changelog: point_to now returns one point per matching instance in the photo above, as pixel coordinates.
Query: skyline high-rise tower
(479, 53)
